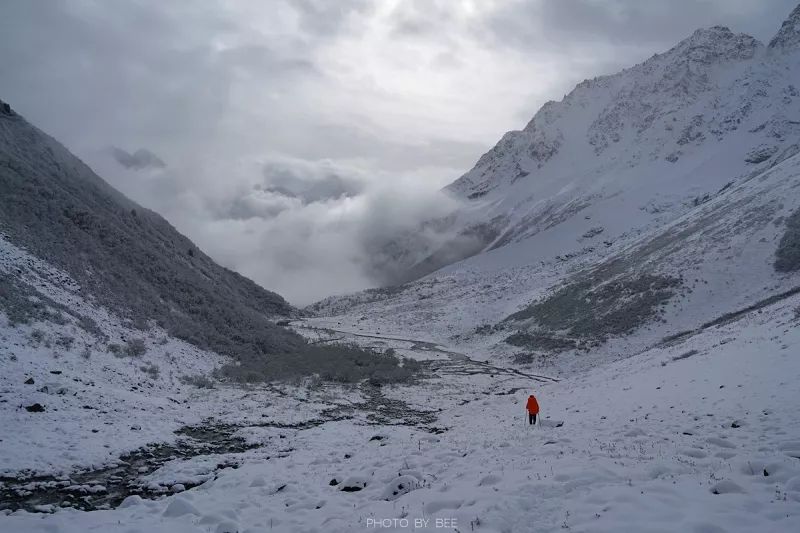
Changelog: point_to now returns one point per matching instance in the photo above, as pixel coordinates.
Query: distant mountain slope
(127, 258)
(630, 150)
(644, 204)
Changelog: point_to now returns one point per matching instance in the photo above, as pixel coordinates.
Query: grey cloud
(289, 185)
(326, 18)
(139, 160)
(568, 24)
(334, 141)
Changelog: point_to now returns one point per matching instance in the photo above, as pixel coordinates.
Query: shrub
(198, 380)
(115, 349)
(151, 370)
(65, 341)
(525, 358)
(37, 336)
(535, 341)
(787, 256)
(135, 348)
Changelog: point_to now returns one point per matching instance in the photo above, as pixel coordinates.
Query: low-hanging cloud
(141, 159)
(322, 236)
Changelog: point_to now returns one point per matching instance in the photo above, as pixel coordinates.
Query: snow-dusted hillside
(683, 167)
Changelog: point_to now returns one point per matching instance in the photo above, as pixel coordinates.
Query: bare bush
(151, 370)
(787, 256)
(135, 348)
(198, 380)
(65, 341)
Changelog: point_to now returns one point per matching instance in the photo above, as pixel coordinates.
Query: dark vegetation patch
(488, 329)
(787, 256)
(685, 355)
(588, 309)
(541, 342)
(23, 304)
(341, 363)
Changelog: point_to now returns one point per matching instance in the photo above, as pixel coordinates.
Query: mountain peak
(717, 43)
(789, 34)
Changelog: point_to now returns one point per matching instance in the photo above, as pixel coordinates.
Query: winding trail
(457, 363)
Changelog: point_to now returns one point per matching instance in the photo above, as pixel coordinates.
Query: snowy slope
(698, 436)
(683, 166)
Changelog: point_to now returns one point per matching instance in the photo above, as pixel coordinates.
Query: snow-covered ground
(700, 436)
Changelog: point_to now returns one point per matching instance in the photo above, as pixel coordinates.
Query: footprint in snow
(725, 455)
(491, 479)
(694, 452)
(436, 506)
(722, 443)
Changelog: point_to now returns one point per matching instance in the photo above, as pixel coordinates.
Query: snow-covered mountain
(660, 192)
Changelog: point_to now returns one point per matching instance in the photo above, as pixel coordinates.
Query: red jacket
(532, 406)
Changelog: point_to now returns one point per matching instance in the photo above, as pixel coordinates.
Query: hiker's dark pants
(531, 418)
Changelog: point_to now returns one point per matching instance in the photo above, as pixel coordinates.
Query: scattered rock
(760, 154)
(377, 437)
(56, 372)
(333, 482)
(176, 488)
(29, 381)
(398, 487)
(35, 408)
(353, 484)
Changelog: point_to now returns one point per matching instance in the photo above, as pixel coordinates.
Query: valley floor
(702, 436)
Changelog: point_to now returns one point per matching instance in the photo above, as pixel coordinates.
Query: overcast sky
(283, 135)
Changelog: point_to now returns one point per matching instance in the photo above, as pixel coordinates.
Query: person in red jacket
(533, 409)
